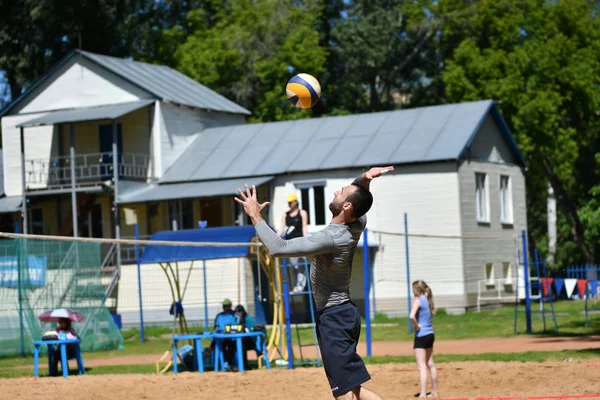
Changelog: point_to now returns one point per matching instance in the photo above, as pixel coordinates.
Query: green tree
(248, 50)
(541, 61)
(383, 53)
(35, 34)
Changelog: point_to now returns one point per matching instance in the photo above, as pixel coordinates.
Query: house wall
(429, 194)
(178, 128)
(490, 155)
(79, 83)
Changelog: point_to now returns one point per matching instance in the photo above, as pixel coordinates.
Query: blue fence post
(367, 275)
(408, 291)
(288, 324)
(526, 270)
(21, 262)
(139, 272)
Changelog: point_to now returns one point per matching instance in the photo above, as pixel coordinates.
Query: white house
(98, 134)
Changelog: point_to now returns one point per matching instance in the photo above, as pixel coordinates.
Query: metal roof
(424, 134)
(10, 204)
(161, 81)
(86, 114)
(166, 83)
(142, 193)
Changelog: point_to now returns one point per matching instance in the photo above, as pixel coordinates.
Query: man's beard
(335, 209)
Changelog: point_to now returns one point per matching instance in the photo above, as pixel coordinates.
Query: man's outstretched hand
(251, 205)
(377, 172)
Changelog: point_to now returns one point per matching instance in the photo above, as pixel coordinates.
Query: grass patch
(490, 323)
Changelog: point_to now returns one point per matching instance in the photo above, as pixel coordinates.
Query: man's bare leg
(360, 393)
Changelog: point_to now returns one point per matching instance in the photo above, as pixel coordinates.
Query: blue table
(197, 339)
(260, 345)
(63, 354)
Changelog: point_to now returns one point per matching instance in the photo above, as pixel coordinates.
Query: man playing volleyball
(332, 250)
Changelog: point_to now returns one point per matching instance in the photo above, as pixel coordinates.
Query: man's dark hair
(361, 200)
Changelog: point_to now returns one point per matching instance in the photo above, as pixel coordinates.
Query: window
(507, 272)
(211, 212)
(36, 221)
(481, 197)
(181, 214)
(506, 211)
(489, 274)
(312, 199)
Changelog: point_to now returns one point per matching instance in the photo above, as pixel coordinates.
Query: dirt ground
(456, 380)
(472, 346)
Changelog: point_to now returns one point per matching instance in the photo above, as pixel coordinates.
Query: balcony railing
(91, 168)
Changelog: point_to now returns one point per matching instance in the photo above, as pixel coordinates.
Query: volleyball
(303, 91)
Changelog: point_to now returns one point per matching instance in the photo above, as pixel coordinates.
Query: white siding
(80, 83)
(179, 126)
(222, 282)
(489, 145)
(430, 196)
(39, 143)
(478, 253)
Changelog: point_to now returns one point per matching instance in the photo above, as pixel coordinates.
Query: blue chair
(61, 343)
(221, 323)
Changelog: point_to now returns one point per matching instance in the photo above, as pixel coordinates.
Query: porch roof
(10, 204)
(139, 193)
(86, 114)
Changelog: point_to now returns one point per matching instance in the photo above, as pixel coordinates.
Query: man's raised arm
(305, 246)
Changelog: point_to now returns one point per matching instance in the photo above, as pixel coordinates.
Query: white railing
(503, 290)
(89, 168)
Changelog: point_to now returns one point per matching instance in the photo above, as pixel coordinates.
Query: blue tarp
(230, 234)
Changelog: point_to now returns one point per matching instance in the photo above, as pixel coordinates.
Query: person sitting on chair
(248, 323)
(224, 318)
(64, 326)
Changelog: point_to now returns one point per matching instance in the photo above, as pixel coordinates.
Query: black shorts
(338, 331)
(424, 342)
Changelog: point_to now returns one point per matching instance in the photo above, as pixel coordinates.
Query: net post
(367, 276)
(20, 264)
(139, 272)
(526, 271)
(408, 294)
(288, 324)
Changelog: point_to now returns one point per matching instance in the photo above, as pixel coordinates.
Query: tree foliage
(539, 59)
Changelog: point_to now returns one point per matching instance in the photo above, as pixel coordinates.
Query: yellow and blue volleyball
(303, 91)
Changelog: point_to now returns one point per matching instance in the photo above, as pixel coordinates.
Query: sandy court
(472, 346)
(392, 381)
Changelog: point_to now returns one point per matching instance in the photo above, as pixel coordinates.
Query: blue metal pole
(205, 296)
(408, 291)
(288, 324)
(367, 274)
(21, 263)
(139, 272)
(526, 271)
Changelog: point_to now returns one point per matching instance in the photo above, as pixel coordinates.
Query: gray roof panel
(279, 159)
(367, 124)
(335, 128)
(422, 134)
(348, 149)
(10, 204)
(167, 84)
(173, 191)
(87, 114)
(393, 137)
(249, 159)
(313, 155)
(302, 130)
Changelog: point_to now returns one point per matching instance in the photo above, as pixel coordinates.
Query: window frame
(486, 198)
(506, 210)
(311, 209)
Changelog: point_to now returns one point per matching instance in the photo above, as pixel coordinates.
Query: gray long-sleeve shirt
(332, 251)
